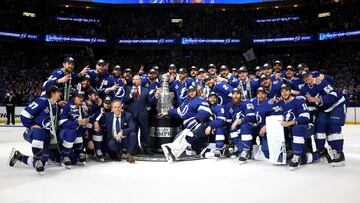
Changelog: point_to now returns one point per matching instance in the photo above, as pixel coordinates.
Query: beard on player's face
(290, 74)
(69, 67)
(236, 97)
(261, 96)
(213, 100)
(286, 94)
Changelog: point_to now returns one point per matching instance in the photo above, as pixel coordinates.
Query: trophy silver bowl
(165, 100)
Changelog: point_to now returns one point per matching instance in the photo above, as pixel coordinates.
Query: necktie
(117, 125)
(137, 94)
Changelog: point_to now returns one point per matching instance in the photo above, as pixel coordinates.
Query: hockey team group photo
(108, 101)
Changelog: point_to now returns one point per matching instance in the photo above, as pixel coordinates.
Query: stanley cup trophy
(163, 129)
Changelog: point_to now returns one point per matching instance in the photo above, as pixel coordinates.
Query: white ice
(220, 181)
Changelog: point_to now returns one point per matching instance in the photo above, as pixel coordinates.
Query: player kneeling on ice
(39, 118)
(73, 126)
(218, 125)
(119, 127)
(242, 115)
(195, 113)
(296, 121)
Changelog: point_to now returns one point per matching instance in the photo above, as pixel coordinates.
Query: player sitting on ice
(242, 115)
(73, 125)
(193, 111)
(39, 118)
(218, 125)
(296, 121)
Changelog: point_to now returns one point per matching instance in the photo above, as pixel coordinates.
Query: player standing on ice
(331, 114)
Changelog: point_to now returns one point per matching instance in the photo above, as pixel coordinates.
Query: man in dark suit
(120, 130)
(10, 107)
(138, 101)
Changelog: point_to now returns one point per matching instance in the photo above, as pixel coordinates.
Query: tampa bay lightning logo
(183, 93)
(289, 116)
(231, 110)
(221, 100)
(120, 93)
(46, 124)
(258, 117)
(240, 115)
(184, 111)
(100, 85)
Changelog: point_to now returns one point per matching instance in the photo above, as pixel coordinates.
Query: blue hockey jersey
(253, 85)
(57, 74)
(192, 110)
(275, 89)
(295, 110)
(218, 113)
(264, 109)
(38, 113)
(224, 92)
(329, 95)
(244, 110)
(180, 89)
(98, 81)
(69, 116)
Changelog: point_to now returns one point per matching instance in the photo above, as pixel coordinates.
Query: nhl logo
(46, 110)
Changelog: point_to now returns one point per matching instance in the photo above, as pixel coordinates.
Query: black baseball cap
(51, 89)
(235, 69)
(236, 90)
(212, 94)
(192, 88)
(152, 71)
(172, 66)
(107, 100)
(258, 68)
(128, 70)
(302, 66)
(182, 70)
(305, 73)
(290, 67)
(78, 93)
(100, 62)
(261, 89)
(117, 67)
(85, 77)
(277, 62)
(267, 66)
(69, 59)
(212, 66)
(207, 77)
(263, 77)
(201, 70)
(193, 68)
(223, 67)
(285, 86)
(156, 68)
(243, 69)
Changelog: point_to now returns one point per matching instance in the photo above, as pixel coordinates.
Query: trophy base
(162, 130)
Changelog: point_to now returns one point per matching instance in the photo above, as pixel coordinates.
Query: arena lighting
(75, 39)
(298, 38)
(338, 35)
(18, 35)
(28, 14)
(178, 1)
(283, 19)
(176, 20)
(78, 19)
(67, 6)
(325, 14)
(158, 41)
(186, 41)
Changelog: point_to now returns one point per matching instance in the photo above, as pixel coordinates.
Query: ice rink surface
(220, 181)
